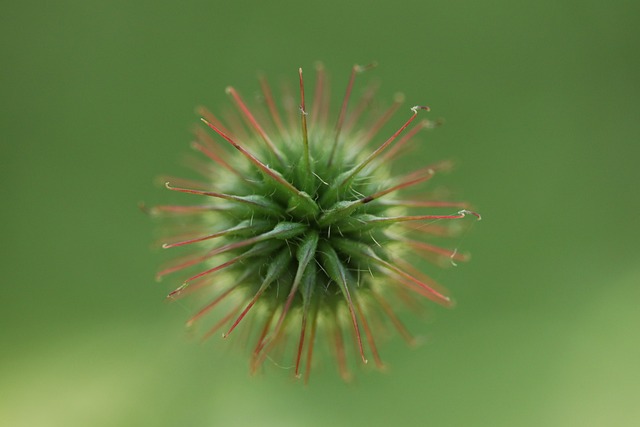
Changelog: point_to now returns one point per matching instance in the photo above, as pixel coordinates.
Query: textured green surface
(540, 100)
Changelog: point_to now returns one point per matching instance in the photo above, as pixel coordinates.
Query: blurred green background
(541, 103)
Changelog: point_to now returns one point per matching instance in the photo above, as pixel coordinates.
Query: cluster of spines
(310, 218)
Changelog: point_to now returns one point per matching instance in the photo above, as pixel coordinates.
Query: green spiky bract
(297, 224)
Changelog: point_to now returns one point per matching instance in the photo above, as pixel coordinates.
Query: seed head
(301, 231)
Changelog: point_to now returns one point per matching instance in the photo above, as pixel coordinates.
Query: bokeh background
(541, 107)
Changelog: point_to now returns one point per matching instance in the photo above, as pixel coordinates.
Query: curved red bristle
(211, 305)
(271, 105)
(369, 335)
(221, 322)
(399, 326)
(254, 123)
(343, 110)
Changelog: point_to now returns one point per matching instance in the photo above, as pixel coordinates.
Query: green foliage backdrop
(541, 104)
